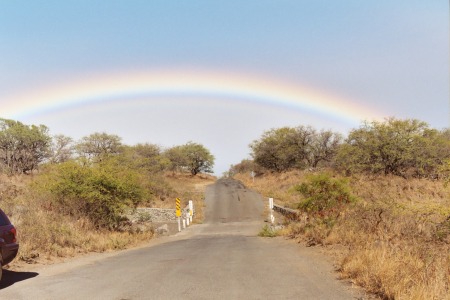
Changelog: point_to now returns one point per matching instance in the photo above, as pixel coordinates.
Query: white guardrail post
(191, 209)
(184, 216)
(272, 218)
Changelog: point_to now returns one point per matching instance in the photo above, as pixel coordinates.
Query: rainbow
(208, 84)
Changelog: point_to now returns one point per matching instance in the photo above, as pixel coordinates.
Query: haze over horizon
(232, 66)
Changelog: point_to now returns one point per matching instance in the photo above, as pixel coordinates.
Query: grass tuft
(268, 231)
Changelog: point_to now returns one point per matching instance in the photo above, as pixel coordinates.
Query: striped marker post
(178, 212)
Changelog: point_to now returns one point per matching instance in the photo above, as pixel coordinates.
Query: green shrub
(324, 195)
(101, 192)
(268, 231)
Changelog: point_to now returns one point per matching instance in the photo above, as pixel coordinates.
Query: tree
(199, 159)
(245, 166)
(323, 147)
(288, 148)
(147, 157)
(177, 158)
(99, 145)
(192, 157)
(23, 147)
(61, 149)
(398, 147)
(280, 149)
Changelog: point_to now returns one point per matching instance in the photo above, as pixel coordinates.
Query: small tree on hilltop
(199, 159)
(192, 156)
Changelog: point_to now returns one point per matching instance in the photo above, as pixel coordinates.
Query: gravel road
(220, 259)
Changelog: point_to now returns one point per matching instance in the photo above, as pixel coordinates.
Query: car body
(8, 242)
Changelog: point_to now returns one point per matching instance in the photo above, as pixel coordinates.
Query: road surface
(220, 259)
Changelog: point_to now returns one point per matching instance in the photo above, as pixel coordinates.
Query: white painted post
(184, 223)
(272, 218)
(191, 209)
(187, 218)
(179, 224)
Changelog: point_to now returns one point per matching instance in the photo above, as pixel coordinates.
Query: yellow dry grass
(188, 187)
(395, 241)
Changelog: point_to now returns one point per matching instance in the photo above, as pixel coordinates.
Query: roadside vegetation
(378, 201)
(68, 197)
(268, 231)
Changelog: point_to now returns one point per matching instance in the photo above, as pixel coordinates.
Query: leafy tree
(97, 146)
(323, 147)
(399, 147)
(147, 157)
(61, 149)
(147, 150)
(192, 157)
(280, 149)
(294, 148)
(199, 159)
(23, 147)
(433, 151)
(177, 158)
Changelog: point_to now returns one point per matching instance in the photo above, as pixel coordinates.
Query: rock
(142, 215)
(161, 230)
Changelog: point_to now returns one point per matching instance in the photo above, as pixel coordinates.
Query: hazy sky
(81, 67)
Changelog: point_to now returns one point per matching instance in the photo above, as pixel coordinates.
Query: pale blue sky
(391, 55)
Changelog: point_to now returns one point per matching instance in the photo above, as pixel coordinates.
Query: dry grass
(277, 186)
(46, 236)
(189, 187)
(395, 241)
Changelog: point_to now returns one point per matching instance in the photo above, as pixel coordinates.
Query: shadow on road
(11, 277)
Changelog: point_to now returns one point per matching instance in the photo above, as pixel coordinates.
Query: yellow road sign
(178, 207)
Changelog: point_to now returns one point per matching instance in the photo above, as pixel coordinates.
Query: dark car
(8, 243)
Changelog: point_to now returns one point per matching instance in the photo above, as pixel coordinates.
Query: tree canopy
(399, 147)
(98, 145)
(23, 147)
(288, 148)
(192, 157)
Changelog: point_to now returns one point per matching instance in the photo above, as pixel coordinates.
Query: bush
(268, 231)
(102, 192)
(324, 195)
